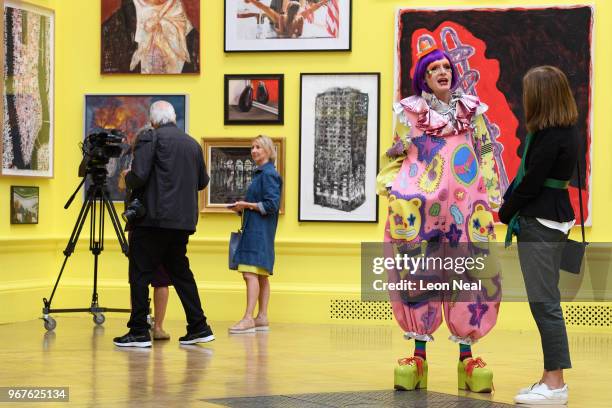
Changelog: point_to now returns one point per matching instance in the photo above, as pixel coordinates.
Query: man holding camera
(167, 172)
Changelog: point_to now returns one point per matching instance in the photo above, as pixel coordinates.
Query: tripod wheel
(99, 319)
(50, 323)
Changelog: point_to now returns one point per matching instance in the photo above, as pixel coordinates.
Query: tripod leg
(116, 222)
(74, 237)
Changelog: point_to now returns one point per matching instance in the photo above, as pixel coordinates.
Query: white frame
(311, 84)
(51, 97)
(234, 44)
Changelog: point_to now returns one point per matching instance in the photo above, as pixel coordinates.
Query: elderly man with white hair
(167, 172)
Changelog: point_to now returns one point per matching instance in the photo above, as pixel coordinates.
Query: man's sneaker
(540, 394)
(202, 337)
(133, 340)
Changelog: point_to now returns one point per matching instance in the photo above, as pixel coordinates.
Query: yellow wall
(316, 261)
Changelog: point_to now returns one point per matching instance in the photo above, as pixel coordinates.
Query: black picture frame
(261, 42)
(25, 203)
(241, 109)
(317, 204)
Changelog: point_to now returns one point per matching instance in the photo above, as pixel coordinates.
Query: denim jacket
(256, 246)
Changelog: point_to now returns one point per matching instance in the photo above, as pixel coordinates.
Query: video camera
(98, 148)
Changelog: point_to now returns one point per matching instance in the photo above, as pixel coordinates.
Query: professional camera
(134, 211)
(98, 148)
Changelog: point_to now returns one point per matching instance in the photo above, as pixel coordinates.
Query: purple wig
(418, 81)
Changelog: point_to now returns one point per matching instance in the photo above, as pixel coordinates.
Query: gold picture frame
(228, 161)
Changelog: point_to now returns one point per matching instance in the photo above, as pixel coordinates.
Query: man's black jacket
(168, 169)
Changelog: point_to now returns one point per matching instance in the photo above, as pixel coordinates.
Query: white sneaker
(540, 394)
(526, 390)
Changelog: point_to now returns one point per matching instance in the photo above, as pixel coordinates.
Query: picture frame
(128, 113)
(229, 184)
(254, 99)
(321, 25)
(339, 155)
(127, 32)
(485, 57)
(25, 201)
(27, 146)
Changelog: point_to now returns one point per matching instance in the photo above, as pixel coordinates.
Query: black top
(553, 153)
(168, 169)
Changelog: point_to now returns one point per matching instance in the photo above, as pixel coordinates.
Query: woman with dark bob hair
(441, 184)
(539, 213)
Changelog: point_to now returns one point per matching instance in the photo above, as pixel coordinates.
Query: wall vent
(588, 316)
(350, 309)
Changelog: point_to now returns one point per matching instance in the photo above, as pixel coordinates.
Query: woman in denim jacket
(255, 252)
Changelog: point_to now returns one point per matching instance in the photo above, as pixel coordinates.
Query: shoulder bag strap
(580, 200)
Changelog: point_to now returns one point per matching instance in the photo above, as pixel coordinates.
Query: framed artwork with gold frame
(230, 167)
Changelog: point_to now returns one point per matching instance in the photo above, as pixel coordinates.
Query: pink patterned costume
(441, 186)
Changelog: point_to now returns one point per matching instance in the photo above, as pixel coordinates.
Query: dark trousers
(540, 249)
(150, 248)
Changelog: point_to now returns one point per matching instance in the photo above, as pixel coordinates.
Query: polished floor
(290, 359)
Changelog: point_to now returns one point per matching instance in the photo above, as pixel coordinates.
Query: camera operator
(168, 170)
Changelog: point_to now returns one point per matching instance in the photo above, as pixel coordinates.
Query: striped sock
(465, 351)
(419, 349)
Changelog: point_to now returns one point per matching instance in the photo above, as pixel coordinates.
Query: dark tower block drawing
(341, 125)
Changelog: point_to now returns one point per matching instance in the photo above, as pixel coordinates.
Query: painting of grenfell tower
(340, 145)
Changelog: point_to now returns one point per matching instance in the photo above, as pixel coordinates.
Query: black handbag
(234, 242)
(573, 252)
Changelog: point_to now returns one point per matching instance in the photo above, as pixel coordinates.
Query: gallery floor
(286, 365)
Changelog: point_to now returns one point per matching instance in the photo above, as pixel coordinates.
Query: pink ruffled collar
(458, 119)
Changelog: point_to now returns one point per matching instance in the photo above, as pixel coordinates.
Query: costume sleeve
(144, 155)
(392, 160)
(483, 147)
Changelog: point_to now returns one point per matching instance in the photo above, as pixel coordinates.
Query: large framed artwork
(492, 49)
(24, 204)
(129, 114)
(339, 128)
(254, 99)
(281, 25)
(231, 168)
(27, 131)
(150, 37)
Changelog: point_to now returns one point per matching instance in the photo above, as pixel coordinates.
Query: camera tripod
(95, 204)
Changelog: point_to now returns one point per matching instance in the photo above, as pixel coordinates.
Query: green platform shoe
(473, 376)
(410, 374)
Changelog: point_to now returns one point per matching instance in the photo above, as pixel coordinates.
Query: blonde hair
(267, 144)
(548, 99)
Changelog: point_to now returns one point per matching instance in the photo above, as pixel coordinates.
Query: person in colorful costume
(441, 184)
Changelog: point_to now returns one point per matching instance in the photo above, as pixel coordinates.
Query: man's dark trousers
(149, 248)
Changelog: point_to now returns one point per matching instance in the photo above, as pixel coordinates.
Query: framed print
(491, 65)
(150, 37)
(129, 114)
(339, 127)
(24, 205)
(231, 168)
(27, 134)
(253, 99)
(280, 25)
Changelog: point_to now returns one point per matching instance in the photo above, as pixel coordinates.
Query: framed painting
(27, 134)
(231, 168)
(491, 65)
(24, 204)
(254, 99)
(128, 114)
(339, 128)
(150, 37)
(283, 25)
